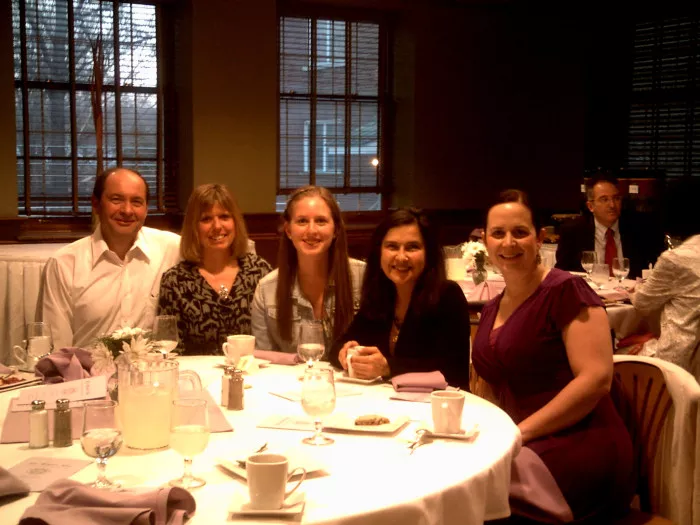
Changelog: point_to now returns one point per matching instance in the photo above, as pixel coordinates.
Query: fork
(418, 441)
(242, 462)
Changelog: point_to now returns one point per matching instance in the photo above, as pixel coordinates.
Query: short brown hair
(202, 199)
(100, 181)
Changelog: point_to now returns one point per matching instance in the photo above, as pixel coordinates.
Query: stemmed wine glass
(621, 268)
(311, 345)
(165, 336)
(189, 436)
(101, 438)
(318, 400)
(588, 259)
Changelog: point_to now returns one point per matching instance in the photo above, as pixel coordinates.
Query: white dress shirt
(89, 291)
(600, 240)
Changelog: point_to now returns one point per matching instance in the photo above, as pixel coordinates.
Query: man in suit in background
(607, 232)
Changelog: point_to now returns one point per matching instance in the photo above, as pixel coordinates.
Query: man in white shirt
(111, 278)
(606, 232)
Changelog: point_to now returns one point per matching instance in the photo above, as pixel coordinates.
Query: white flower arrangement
(472, 251)
(125, 344)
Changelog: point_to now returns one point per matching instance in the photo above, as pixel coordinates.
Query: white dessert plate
(347, 379)
(240, 506)
(346, 423)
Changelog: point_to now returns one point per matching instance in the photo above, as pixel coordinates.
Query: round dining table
(362, 477)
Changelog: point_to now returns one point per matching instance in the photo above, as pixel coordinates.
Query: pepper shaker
(62, 431)
(235, 390)
(228, 372)
(38, 425)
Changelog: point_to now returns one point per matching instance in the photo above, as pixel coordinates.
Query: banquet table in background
(367, 478)
(21, 268)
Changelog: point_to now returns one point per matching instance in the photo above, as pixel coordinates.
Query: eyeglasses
(606, 200)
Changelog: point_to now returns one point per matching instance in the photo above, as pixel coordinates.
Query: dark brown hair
(520, 197)
(203, 199)
(379, 293)
(338, 266)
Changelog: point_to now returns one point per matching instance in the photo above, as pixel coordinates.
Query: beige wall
(8, 163)
(234, 99)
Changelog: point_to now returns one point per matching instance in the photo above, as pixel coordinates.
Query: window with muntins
(664, 126)
(78, 63)
(331, 109)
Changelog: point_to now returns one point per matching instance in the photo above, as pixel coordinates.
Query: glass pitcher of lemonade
(147, 389)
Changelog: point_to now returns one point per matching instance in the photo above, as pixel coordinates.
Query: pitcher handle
(18, 356)
(192, 378)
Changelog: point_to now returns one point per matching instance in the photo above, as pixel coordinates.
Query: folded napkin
(67, 502)
(5, 369)
(419, 382)
(67, 364)
(277, 358)
(11, 485)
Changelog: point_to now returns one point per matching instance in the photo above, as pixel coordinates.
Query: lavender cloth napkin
(68, 502)
(68, 364)
(277, 358)
(419, 382)
(11, 485)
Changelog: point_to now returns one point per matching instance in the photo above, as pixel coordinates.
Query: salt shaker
(228, 372)
(62, 431)
(38, 425)
(235, 390)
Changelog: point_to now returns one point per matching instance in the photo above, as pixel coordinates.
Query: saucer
(240, 506)
(344, 377)
(464, 434)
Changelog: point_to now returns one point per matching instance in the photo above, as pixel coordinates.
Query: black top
(642, 242)
(205, 318)
(437, 340)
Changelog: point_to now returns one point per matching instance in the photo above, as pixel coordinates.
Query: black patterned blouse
(206, 318)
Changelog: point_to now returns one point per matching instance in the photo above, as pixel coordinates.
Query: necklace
(223, 291)
(396, 326)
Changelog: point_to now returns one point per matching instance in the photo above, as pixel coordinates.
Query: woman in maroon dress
(544, 347)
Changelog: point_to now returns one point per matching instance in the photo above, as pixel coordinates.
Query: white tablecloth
(368, 478)
(21, 267)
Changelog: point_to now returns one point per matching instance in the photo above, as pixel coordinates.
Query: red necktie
(610, 248)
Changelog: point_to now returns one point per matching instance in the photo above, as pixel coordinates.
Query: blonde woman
(211, 290)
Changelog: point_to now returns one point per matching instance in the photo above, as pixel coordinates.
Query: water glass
(588, 259)
(189, 436)
(101, 438)
(621, 268)
(600, 274)
(311, 345)
(165, 337)
(318, 400)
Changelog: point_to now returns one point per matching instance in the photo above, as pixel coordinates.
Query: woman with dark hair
(315, 278)
(211, 290)
(411, 318)
(543, 346)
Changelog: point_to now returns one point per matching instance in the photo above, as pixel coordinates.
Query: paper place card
(287, 422)
(40, 472)
(79, 390)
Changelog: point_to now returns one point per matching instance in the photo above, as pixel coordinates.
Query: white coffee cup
(447, 408)
(267, 480)
(237, 346)
(352, 351)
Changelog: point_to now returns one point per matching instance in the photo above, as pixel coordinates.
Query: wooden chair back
(644, 403)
